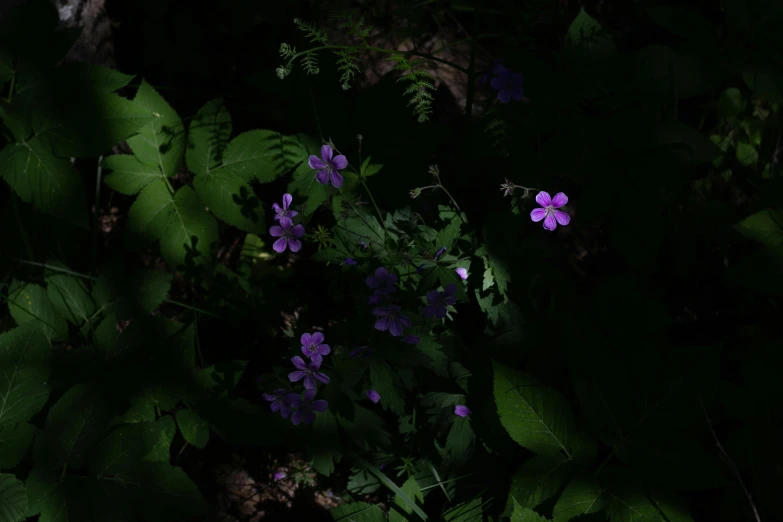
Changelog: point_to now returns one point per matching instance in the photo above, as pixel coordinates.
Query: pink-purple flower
(313, 348)
(438, 301)
(328, 167)
(383, 282)
(508, 84)
(280, 400)
(307, 371)
(279, 475)
(549, 212)
(305, 407)
(462, 273)
(374, 396)
(462, 411)
(288, 234)
(284, 211)
(389, 318)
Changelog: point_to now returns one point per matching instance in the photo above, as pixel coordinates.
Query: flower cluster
(328, 167)
(438, 301)
(507, 82)
(288, 233)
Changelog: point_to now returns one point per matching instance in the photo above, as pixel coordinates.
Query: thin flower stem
(383, 223)
(725, 457)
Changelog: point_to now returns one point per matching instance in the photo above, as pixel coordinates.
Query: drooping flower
(349, 261)
(280, 400)
(328, 167)
(288, 234)
(308, 372)
(390, 319)
(549, 213)
(313, 348)
(507, 188)
(438, 301)
(306, 408)
(440, 252)
(462, 273)
(279, 475)
(284, 211)
(411, 339)
(462, 411)
(509, 85)
(374, 396)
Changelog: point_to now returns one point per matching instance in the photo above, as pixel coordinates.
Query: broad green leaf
(70, 296)
(304, 185)
(460, 442)
(412, 489)
(448, 235)
(175, 221)
(13, 499)
(535, 416)
(75, 422)
(525, 514)
(764, 227)
(51, 184)
(15, 442)
(365, 227)
(106, 335)
(161, 450)
(30, 304)
(471, 511)
(731, 104)
(382, 381)
(362, 483)
(94, 500)
(537, 480)
(631, 506)
(162, 493)
(160, 143)
(208, 136)
(368, 169)
(580, 497)
(357, 512)
(25, 357)
(132, 294)
(145, 404)
(129, 175)
(222, 377)
(586, 37)
(747, 154)
(673, 509)
(227, 194)
(123, 449)
(194, 429)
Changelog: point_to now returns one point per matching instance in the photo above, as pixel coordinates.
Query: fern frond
(347, 64)
(310, 63)
(497, 131)
(315, 34)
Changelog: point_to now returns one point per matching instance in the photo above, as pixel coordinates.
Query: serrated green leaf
(49, 183)
(412, 489)
(161, 450)
(75, 422)
(631, 506)
(132, 294)
(580, 497)
(29, 304)
(357, 512)
(525, 514)
(303, 184)
(161, 493)
(537, 480)
(362, 483)
(448, 235)
(586, 37)
(764, 227)
(536, 417)
(175, 221)
(13, 499)
(222, 377)
(227, 194)
(129, 175)
(70, 296)
(46, 496)
(24, 391)
(747, 154)
(194, 429)
(15, 442)
(208, 136)
(382, 381)
(161, 142)
(460, 442)
(368, 169)
(123, 449)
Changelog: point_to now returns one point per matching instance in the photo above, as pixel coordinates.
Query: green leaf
(537, 480)
(129, 175)
(357, 512)
(467, 512)
(15, 442)
(448, 235)
(194, 429)
(208, 136)
(403, 496)
(75, 422)
(524, 514)
(672, 508)
(30, 304)
(175, 221)
(382, 381)
(731, 104)
(412, 489)
(122, 449)
(747, 154)
(24, 391)
(160, 143)
(162, 493)
(586, 37)
(51, 184)
(47, 497)
(369, 169)
(631, 506)
(362, 483)
(13, 499)
(580, 497)
(132, 294)
(303, 184)
(70, 296)
(161, 450)
(227, 194)
(460, 442)
(764, 227)
(222, 377)
(535, 416)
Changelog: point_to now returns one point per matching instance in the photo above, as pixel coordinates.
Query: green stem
(377, 50)
(97, 214)
(383, 223)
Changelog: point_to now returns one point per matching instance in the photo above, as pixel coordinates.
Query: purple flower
(360, 352)
(308, 372)
(374, 396)
(279, 475)
(328, 167)
(349, 261)
(549, 214)
(280, 400)
(306, 408)
(438, 301)
(494, 69)
(508, 84)
(288, 234)
(312, 347)
(411, 339)
(382, 281)
(462, 411)
(284, 212)
(462, 273)
(390, 319)
(440, 253)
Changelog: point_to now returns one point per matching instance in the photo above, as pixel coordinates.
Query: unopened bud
(415, 193)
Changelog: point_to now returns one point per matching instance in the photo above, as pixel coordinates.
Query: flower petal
(292, 213)
(323, 349)
(308, 417)
(550, 223)
(374, 299)
(287, 199)
(269, 396)
(306, 339)
(326, 153)
(299, 362)
(395, 328)
(296, 418)
(322, 177)
(275, 406)
(309, 382)
(429, 311)
(538, 214)
(433, 296)
(404, 320)
(340, 162)
(504, 96)
(316, 358)
(284, 411)
(450, 290)
(279, 245)
(294, 244)
(462, 411)
(440, 313)
(322, 377)
(543, 199)
(277, 208)
(559, 200)
(276, 231)
(320, 406)
(562, 218)
(317, 338)
(296, 376)
(336, 179)
(294, 400)
(496, 83)
(315, 162)
(462, 273)
(308, 396)
(380, 311)
(382, 324)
